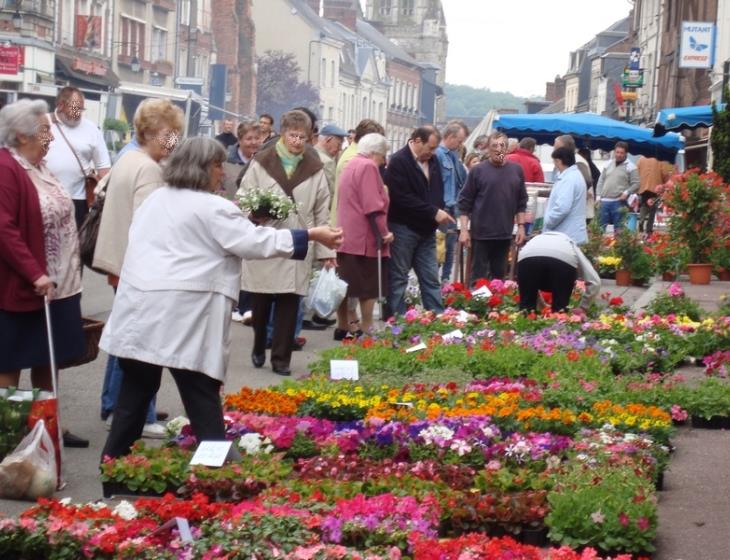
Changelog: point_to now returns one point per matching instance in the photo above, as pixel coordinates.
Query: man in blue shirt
(453, 174)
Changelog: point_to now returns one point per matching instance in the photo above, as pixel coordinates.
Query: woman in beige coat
(290, 167)
(158, 125)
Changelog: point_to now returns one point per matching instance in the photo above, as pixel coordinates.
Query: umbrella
(684, 118)
(592, 131)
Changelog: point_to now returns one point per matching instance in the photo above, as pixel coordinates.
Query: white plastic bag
(326, 292)
(30, 470)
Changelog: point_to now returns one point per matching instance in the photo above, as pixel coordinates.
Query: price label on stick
(344, 369)
(481, 293)
(416, 348)
(450, 336)
(211, 453)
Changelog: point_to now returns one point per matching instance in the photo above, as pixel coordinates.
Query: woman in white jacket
(183, 262)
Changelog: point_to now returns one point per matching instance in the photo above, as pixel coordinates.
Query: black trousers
(549, 275)
(200, 396)
(80, 211)
(490, 258)
(285, 324)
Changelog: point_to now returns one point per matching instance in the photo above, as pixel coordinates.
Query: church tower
(418, 27)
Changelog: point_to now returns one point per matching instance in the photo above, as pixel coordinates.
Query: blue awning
(591, 130)
(684, 118)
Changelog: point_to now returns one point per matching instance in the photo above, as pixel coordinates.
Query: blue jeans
(611, 213)
(412, 250)
(451, 235)
(110, 391)
(270, 324)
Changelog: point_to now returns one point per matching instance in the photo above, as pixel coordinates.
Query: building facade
(419, 27)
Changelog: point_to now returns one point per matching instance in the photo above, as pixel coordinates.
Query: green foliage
(117, 125)
(302, 447)
(720, 140)
(467, 101)
(710, 398)
(611, 508)
(665, 304)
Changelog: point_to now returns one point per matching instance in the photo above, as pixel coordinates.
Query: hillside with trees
(467, 101)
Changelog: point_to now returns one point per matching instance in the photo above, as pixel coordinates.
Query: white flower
(598, 517)
(461, 447)
(436, 434)
(125, 510)
(253, 444)
(552, 462)
(175, 426)
(65, 501)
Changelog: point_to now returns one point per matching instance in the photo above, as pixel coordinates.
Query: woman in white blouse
(183, 263)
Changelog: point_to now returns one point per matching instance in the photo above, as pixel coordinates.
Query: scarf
(288, 160)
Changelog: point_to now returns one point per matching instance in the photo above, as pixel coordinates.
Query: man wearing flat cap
(328, 148)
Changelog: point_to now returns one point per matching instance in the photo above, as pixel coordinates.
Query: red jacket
(529, 163)
(22, 245)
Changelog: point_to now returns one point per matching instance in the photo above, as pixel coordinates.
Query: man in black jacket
(416, 194)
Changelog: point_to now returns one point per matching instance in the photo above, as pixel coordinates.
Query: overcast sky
(518, 45)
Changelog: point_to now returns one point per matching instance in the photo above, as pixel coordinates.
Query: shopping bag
(30, 470)
(45, 410)
(326, 292)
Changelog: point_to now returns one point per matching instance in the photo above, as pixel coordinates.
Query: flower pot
(659, 482)
(699, 273)
(669, 276)
(113, 488)
(711, 423)
(724, 274)
(534, 536)
(623, 277)
(640, 282)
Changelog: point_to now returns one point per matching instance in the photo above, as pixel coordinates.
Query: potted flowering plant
(635, 262)
(266, 204)
(695, 201)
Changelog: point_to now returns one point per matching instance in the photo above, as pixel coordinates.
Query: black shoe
(258, 360)
(281, 370)
(340, 334)
(71, 440)
(162, 416)
(310, 326)
(323, 321)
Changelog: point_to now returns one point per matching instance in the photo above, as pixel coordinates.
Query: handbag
(91, 179)
(89, 230)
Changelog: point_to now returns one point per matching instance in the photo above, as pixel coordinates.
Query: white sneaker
(247, 318)
(108, 422)
(236, 317)
(154, 431)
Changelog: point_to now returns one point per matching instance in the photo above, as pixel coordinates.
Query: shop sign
(632, 78)
(11, 59)
(89, 66)
(697, 47)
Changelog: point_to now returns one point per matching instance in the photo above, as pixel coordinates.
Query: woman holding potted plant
(288, 168)
(183, 262)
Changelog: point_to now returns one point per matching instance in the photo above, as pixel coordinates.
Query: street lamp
(17, 20)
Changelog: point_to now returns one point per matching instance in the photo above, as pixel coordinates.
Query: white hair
(20, 117)
(372, 143)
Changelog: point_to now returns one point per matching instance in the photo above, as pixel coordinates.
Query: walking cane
(54, 381)
(379, 245)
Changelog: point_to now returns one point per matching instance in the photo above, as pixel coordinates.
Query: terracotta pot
(623, 277)
(723, 274)
(699, 273)
(669, 276)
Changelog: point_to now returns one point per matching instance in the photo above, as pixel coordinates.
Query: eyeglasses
(295, 136)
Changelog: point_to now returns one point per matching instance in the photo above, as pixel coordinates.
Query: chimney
(344, 11)
(314, 4)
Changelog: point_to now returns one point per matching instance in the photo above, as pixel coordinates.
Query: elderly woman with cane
(39, 254)
(183, 262)
(362, 210)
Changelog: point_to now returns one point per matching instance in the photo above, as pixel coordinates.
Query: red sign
(89, 66)
(10, 59)
(88, 32)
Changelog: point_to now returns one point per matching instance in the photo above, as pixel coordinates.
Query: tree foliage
(278, 88)
(720, 140)
(467, 101)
